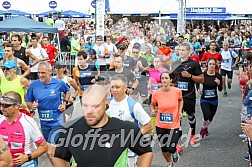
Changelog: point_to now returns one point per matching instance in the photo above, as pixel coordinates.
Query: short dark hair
(18, 36)
(248, 56)
(83, 54)
(10, 45)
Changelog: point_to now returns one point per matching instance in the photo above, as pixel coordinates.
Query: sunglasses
(135, 52)
(162, 44)
(6, 105)
(5, 68)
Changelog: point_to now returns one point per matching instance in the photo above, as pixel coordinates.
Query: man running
(20, 132)
(125, 108)
(186, 75)
(227, 66)
(106, 136)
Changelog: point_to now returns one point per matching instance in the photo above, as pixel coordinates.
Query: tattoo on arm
(3, 149)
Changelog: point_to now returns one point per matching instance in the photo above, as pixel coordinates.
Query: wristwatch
(29, 157)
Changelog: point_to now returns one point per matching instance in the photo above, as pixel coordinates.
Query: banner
(100, 17)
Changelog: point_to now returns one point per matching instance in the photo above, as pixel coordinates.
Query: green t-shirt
(49, 22)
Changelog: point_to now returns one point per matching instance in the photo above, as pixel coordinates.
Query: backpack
(131, 104)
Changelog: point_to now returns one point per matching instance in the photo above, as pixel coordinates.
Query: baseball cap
(92, 52)
(59, 64)
(10, 64)
(103, 77)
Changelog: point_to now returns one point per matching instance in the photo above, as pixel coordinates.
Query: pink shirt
(21, 134)
(155, 78)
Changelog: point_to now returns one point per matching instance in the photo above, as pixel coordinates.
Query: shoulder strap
(131, 103)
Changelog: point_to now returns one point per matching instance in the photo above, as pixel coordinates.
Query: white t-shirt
(227, 60)
(121, 111)
(100, 50)
(111, 49)
(60, 24)
(39, 53)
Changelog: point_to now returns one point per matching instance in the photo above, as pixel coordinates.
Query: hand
(217, 81)
(23, 105)
(35, 105)
(21, 159)
(51, 150)
(139, 64)
(234, 66)
(53, 60)
(154, 113)
(200, 92)
(62, 107)
(129, 90)
(185, 74)
(71, 100)
(247, 129)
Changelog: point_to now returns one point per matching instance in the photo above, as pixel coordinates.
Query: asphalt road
(222, 148)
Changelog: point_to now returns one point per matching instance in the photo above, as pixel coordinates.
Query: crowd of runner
(115, 78)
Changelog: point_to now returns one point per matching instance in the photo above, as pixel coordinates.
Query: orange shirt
(168, 116)
(76, 75)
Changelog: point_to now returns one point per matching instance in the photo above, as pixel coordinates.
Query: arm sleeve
(141, 115)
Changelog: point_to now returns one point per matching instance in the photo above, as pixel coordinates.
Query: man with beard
(102, 136)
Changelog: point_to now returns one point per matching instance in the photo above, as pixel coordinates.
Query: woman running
(61, 73)
(209, 96)
(168, 117)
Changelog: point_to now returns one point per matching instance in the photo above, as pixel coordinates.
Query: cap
(149, 45)
(92, 52)
(122, 45)
(10, 64)
(59, 64)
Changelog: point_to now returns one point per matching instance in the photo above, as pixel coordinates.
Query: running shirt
(210, 86)
(127, 73)
(217, 56)
(13, 85)
(39, 53)
(196, 46)
(140, 74)
(183, 83)
(21, 54)
(168, 115)
(227, 59)
(50, 50)
(154, 76)
(49, 98)
(113, 147)
(21, 134)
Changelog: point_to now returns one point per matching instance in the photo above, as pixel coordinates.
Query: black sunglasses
(7, 105)
(5, 68)
(162, 44)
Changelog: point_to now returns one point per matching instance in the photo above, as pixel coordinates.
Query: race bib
(46, 115)
(209, 93)
(182, 86)
(225, 61)
(166, 118)
(32, 163)
(154, 87)
(138, 75)
(84, 87)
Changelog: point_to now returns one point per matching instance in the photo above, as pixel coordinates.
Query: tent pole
(59, 45)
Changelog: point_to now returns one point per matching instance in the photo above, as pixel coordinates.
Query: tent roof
(24, 24)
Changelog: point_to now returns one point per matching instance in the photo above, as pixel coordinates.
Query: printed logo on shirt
(52, 92)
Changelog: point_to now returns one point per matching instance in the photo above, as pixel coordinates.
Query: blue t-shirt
(175, 57)
(49, 97)
(195, 47)
(88, 47)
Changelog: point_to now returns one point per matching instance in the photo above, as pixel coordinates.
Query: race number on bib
(225, 61)
(46, 115)
(182, 86)
(138, 75)
(209, 93)
(166, 118)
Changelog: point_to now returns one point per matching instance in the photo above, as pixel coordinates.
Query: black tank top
(22, 55)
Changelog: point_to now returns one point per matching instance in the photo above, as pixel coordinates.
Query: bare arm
(24, 67)
(25, 83)
(198, 79)
(145, 160)
(147, 128)
(5, 155)
(30, 54)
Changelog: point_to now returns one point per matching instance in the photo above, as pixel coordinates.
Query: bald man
(100, 136)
